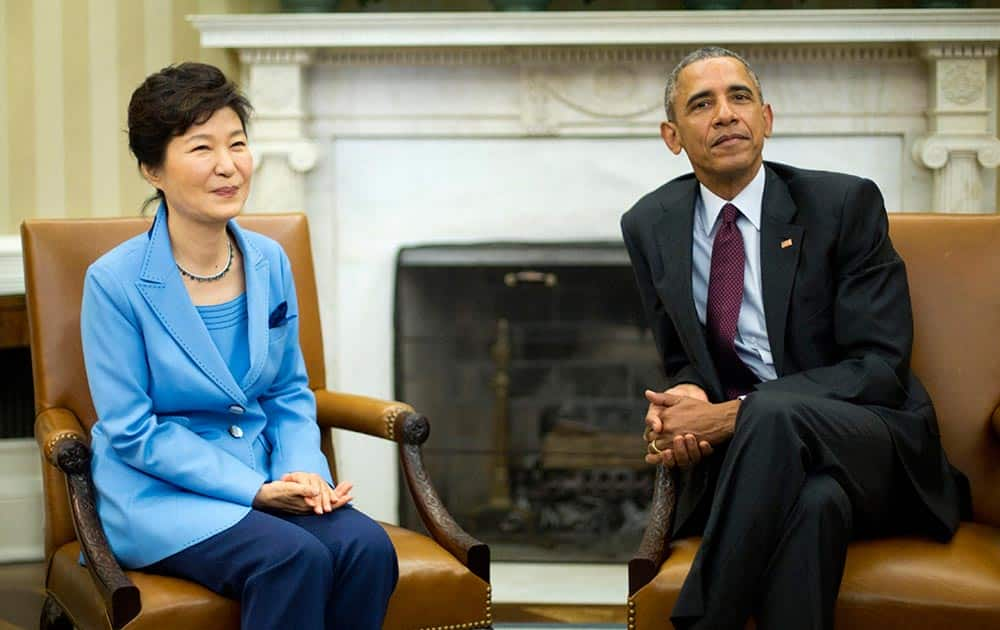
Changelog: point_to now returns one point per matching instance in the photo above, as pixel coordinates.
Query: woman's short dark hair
(170, 101)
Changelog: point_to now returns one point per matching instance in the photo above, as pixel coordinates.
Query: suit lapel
(162, 288)
(256, 268)
(780, 244)
(674, 233)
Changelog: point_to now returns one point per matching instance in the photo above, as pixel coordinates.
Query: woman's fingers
(342, 494)
(303, 493)
(328, 498)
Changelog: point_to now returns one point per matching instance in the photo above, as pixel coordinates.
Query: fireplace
(530, 360)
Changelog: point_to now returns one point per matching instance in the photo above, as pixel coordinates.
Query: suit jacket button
(236, 409)
(235, 431)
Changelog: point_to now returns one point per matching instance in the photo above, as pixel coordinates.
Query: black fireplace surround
(530, 360)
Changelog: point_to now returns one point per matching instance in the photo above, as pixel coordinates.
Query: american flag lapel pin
(785, 244)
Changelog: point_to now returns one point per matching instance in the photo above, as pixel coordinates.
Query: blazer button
(236, 409)
(236, 432)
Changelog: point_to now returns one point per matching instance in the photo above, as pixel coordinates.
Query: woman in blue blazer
(206, 453)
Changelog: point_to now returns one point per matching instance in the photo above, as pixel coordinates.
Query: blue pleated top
(227, 325)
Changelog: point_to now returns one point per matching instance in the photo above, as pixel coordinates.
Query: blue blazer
(181, 446)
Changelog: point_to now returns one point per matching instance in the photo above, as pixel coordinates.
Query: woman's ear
(151, 175)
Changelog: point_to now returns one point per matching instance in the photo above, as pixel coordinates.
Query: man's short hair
(706, 52)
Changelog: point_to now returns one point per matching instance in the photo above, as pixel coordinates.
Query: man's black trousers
(800, 478)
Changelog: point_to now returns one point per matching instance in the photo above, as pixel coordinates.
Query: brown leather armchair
(905, 582)
(444, 580)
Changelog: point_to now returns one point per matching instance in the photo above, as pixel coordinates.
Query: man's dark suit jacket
(837, 309)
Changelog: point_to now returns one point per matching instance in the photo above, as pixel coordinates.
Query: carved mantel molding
(600, 74)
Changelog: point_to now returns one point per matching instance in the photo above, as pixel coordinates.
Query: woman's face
(205, 175)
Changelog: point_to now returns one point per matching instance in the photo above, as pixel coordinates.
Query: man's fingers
(668, 458)
(679, 448)
(662, 398)
(649, 435)
(691, 444)
(653, 422)
(705, 447)
(690, 390)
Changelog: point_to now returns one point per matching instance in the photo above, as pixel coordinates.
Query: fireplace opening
(530, 360)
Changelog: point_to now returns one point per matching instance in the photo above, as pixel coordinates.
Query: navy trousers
(309, 572)
(801, 478)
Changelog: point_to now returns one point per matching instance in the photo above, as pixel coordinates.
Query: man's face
(720, 122)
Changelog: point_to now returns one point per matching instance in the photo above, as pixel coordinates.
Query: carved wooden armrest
(438, 521)
(398, 422)
(63, 441)
(655, 546)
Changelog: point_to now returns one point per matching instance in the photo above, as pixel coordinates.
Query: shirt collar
(749, 201)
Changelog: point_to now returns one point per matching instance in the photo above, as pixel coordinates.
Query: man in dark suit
(781, 312)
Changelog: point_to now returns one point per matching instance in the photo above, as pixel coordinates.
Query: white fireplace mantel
(393, 129)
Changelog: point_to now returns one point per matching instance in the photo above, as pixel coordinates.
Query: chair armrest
(379, 418)
(64, 444)
(398, 422)
(439, 522)
(655, 546)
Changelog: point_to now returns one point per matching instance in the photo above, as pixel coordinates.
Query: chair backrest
(950, 262)
(56, 256)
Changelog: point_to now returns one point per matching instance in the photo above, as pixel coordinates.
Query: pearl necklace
(213, 277)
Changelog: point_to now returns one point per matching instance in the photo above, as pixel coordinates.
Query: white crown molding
(665, 56)
(595, 28)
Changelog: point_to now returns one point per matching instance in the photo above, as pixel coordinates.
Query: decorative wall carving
(963, 82)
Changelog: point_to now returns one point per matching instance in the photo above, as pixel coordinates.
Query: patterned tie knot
(729, 213)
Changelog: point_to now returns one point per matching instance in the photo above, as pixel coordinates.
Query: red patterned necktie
(725, 296)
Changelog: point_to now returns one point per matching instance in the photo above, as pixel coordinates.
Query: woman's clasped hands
(302, 493)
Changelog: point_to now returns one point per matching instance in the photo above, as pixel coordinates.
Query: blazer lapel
(673, 232)
(258, 288)
(780, 244)
(162, 288)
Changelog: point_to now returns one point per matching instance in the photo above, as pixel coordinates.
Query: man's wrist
(728, 412)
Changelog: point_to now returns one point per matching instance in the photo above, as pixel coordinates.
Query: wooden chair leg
(53, 616)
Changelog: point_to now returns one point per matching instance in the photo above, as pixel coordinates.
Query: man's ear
(151, 175)
(768, 120)
(668, 131)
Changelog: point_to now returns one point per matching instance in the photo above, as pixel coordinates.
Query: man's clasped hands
(682, 426)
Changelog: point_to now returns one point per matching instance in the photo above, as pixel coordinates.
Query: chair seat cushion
(434, 590)
(906, 583)
(166, 602)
